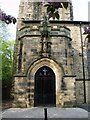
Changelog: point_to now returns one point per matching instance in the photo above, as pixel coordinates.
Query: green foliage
(53, 8)
(8, 19)
(6, 60)
(6, 51)
(57, 15)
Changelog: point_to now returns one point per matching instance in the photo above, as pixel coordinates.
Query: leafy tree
(86, 30)
(7, 18)
(53, 7)
(6, 54)
(7, 65)
(6, 59)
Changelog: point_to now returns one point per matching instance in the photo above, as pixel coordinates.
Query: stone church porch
(25, 97)
(48, 59)
(70, 95)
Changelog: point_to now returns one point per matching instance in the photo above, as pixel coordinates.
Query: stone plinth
(52, 113)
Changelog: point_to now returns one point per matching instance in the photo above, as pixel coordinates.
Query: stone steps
(53, 113)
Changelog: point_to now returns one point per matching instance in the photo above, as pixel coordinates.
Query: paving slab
(53, 113)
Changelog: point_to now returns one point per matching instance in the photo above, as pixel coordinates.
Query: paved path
(53, 113)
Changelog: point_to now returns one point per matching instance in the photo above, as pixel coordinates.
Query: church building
(51, 58)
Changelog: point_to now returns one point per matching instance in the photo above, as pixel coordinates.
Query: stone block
(52, 114)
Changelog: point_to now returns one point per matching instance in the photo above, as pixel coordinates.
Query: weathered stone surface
(60, 51)
(52, 113)
(80, 91)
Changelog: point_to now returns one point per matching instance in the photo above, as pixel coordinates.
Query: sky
(80, 11)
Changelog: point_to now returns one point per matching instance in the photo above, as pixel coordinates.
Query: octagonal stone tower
(45, 57)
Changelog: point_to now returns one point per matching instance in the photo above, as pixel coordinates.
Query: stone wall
(65, 60)
(61, 51)
(66, 50)
(80, 91)
(20, 91)
(24, 91)
(67, 95)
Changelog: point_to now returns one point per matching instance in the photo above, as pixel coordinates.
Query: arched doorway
(45, 94)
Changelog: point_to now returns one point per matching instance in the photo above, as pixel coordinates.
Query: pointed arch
(57, 70)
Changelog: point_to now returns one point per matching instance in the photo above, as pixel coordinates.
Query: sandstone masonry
(60, 51)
